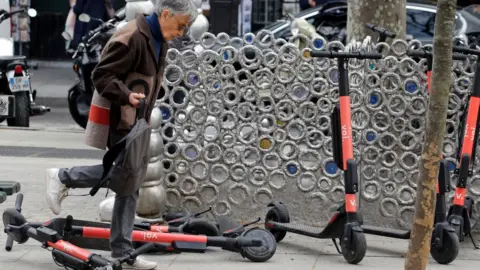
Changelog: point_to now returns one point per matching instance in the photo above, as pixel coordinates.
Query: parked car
(420, 20)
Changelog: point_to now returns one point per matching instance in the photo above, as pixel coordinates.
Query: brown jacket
(128, 64)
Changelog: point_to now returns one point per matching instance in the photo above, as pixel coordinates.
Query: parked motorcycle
(17, 100)
(85, 58)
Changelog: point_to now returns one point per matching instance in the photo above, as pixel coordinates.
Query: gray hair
(177, 7)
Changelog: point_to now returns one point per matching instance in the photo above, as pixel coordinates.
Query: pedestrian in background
(98, 9)
(306, 4)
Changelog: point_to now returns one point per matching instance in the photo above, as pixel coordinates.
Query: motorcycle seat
(12, 58)
(9, 62)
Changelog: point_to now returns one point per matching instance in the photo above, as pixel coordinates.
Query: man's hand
(312, 3)
(134, 99)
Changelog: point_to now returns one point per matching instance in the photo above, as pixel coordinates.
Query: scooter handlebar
(127, 257)
(416, 53)
(424, 54)
(18, 206)
(466, 50)
(380, 30)
(139, 251)
(345, 55)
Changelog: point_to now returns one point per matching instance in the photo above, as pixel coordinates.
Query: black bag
(125, 164)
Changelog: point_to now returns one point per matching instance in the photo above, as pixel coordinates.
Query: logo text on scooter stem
(149, 235)
(345, 132)
(459, 196)
(469, 132)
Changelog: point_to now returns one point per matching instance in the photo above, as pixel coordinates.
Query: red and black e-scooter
(64, 253)
(255, 244)
(444, 242)
(460, 212)
(346, 222)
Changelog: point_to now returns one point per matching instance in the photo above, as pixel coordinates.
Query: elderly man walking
(135, 55)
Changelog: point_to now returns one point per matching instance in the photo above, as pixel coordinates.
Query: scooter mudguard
(280, 205)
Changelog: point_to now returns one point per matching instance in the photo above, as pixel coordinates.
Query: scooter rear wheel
(355, 252)
(449, 251)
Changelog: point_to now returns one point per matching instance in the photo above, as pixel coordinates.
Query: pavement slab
(52, 85)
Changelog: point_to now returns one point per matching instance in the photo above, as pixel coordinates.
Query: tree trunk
(419, 247)
(390, 14)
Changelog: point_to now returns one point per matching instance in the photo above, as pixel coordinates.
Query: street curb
(51, 64)
(52, 102)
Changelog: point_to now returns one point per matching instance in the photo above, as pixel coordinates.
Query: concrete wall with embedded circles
(247, 120)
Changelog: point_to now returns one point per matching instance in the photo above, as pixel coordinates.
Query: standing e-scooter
(461, 210)
(346, 222)
(444, 242)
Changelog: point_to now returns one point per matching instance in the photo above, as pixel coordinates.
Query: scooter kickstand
(473, 241)
(203, 212)
(336, 246)
(250, 223)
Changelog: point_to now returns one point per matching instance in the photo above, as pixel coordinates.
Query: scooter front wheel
(262, 253)
(355, 251)
(446, 252)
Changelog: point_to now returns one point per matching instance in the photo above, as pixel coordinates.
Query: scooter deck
(9, 187)
(311, 231)
(386, 232)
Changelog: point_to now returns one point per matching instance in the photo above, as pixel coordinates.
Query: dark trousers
(124, 209)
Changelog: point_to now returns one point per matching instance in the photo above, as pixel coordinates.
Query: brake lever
(10, 227)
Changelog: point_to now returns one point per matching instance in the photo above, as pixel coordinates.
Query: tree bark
(390, 14)
(419, 246)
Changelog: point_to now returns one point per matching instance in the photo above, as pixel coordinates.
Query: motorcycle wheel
(22, 111)
(79, 105)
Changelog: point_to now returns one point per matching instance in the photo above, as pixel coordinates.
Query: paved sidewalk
(295, 252)
(52, 85)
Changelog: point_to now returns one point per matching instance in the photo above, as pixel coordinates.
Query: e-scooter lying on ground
(63, 253)
(460, 212)
(444, 242)
(345, 223)
(255, 244)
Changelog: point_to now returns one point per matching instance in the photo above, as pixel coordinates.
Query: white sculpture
(134, 7)
(199, 26)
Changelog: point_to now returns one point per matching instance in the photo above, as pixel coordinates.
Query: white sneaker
(140, 264)
(55, 191)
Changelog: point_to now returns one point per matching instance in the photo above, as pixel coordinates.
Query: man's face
(173, 26)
